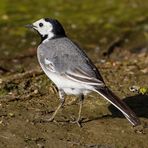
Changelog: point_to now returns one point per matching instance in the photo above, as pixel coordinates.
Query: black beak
(30, 26)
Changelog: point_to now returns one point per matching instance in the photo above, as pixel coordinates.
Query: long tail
(113, 99)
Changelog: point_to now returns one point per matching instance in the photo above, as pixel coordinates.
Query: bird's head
(48, 28)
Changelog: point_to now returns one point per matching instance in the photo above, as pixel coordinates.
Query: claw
(50, 119)
(78, 122)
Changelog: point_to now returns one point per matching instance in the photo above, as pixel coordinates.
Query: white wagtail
(67, 65)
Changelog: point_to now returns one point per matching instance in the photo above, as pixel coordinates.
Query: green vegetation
(87, 21)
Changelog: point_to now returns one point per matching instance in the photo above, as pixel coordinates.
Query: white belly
(69, 86)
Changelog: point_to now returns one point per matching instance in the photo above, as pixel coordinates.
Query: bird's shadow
(138, 103)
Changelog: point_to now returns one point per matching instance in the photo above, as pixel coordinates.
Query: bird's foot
(77, 121)
(51, 119)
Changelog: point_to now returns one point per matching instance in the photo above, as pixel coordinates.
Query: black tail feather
(113, 99)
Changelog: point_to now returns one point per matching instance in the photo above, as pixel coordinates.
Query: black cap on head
(58, 29)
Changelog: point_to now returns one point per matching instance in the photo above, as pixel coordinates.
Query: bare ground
(27, 96)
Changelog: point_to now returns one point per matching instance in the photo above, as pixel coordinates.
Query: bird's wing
(49, 65)
(73, 68)
(66, 58)
(81, 76)
(75, 73)
(89, 62)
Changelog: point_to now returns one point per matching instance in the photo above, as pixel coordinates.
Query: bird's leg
(80, 110)
(62, 100)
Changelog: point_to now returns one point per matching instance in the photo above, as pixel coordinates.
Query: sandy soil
(28, 96)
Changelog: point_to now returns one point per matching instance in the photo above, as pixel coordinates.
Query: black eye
(41, 24)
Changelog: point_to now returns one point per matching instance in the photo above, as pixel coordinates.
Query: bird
(71, 70)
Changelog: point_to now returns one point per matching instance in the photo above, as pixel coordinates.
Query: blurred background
(114, 33)
(93, 24)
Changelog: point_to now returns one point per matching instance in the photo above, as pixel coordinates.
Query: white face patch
(44, 28)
